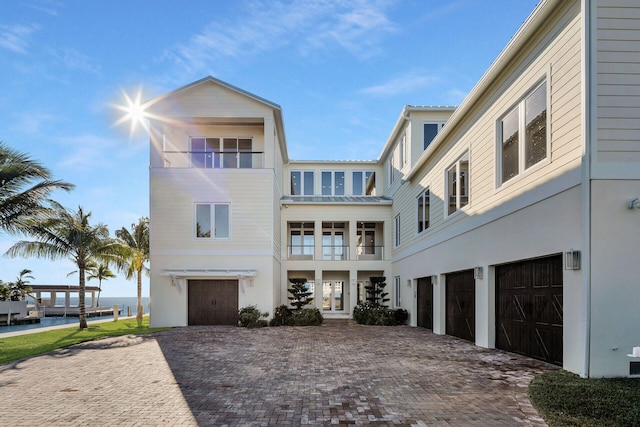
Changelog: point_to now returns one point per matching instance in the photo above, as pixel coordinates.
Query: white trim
(181, 273)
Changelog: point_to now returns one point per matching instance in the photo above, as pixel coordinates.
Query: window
(402, 157)
(391, 168)
(363, 183)
(332, 183)
(302, 183)
(221, 152)
(216, 214)
(396, 231)
(366, 234)
(301, 239)
(424, 210)
(522, 134)
(458, 184)
(396, 294)
(430, 130)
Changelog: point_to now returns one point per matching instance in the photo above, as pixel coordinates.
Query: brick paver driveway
(336, 374)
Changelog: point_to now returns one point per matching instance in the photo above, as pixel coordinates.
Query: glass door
(333, 295)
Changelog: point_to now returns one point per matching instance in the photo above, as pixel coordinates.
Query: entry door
(333, 295)
(425, 303)
(213, 302)
(461, 305)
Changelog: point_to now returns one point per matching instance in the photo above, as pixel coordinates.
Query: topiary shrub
(300, 293)
(250, 317)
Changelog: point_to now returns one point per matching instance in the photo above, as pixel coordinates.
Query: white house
(510, 221)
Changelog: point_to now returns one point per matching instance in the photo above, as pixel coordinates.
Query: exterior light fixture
(633, 203)
(434, 280)
(572, 260)
(477, 272)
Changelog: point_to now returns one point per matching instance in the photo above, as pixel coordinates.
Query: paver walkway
(336, 374)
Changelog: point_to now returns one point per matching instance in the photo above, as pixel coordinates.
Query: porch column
(353, 240)
(317, 298)
(440, 305)
(317, 242)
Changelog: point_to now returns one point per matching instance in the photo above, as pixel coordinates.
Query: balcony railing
(335, 253)
(370, 252)
(214, 159)
(301, 252)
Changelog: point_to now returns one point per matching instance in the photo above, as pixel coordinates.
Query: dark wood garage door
(529, 308)
(461, 305)
(425, 303)
(213, 302)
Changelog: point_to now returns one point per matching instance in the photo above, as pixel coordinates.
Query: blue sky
(342, 70)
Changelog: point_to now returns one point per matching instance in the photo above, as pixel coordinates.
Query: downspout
(588, 123)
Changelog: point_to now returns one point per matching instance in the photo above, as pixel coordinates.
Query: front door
(333, 295)
(425, 303)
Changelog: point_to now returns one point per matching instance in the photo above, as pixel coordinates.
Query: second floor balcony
(214, 159)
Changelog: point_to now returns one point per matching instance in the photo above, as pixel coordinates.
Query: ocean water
(126, 304)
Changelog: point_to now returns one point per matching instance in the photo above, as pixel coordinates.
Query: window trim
(212, 219)
(302, 181)
(219, 157)
(439, 125)
(459, 207)
(420, 196)
(519, 105)
(365, 180)
(397, 285)
(333, 182)
(396, 231)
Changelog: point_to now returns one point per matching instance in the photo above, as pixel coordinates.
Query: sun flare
(134, 112)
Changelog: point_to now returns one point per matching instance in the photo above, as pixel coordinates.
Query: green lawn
(565, 399)
(19, 347)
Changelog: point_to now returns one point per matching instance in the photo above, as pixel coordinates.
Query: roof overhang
(181, 273)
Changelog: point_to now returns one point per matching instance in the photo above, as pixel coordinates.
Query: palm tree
(24, 189)
(20, 288)
(136, 254)
(69, 234)
(101, 272)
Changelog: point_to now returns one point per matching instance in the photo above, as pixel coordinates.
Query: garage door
(461, 305)
(425, 303)
(529, 308)
(213, 302)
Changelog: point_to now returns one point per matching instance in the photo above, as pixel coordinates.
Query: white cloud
(355, 26)
(73, 59)
(404, 84)
(86, 152)
(16, 37)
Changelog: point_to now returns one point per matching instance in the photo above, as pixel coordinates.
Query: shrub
(368, 314)
(250, 317)
(300, 293)
(284, 316)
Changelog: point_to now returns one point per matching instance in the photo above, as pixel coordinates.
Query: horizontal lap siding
(618, 79)
(559, 52)
(175, 191)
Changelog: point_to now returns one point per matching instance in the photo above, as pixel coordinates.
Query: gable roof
(277, 110)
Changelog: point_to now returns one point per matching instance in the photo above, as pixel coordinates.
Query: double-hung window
(213, 221)
(332, 183)
(396, 231)
(424, 210)
(522, 135)
(457, 184)
(302, 183)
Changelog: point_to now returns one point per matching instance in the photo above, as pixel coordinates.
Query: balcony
(335, 253)
(301, 252)
(214, 159)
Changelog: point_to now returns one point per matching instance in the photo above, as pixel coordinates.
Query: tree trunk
(83, 311)
(139, 310)
(99, 290)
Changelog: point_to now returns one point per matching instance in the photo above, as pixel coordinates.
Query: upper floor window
(221, 152)
(424, 210)
(332, 183)
(302, 183)
(396, 231)
(363, 183)
(522, 134)
(391, 165)
(301, 239)
(458, 184)
(208, 214)
(402, 155)
(430, 130)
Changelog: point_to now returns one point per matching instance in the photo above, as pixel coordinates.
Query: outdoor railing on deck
(214, 159)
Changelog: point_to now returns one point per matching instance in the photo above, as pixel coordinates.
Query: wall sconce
(434, 280)
(633, 203)
(477, 272)
(572, 260)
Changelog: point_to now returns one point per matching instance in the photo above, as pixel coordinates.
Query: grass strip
(565, 399)
(23, 346)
